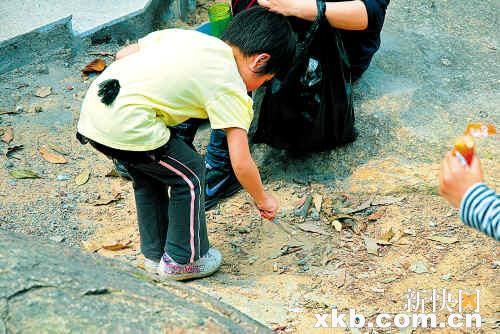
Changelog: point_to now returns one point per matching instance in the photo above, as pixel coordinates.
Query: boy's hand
(455, 179)
(268, 207)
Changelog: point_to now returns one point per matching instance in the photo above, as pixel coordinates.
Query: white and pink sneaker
(203, 267)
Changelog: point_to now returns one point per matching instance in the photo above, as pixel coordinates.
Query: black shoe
(219, 185)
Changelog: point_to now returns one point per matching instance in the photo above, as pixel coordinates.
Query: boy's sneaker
(204, 266)
(151, 266)
(219, 185)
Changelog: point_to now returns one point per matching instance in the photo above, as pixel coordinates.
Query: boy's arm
(247, 172)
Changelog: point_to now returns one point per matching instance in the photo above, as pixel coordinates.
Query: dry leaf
(54, 158)
(43, 91)
(387, 235)
(310, 227)
(95, 66)
(117, 246)
(337, 225)
(23, 174)
(106, 201)
(318, 201)
(444, 240)
(82, 178)
(8, 135)
(371, 246)
(376, 215)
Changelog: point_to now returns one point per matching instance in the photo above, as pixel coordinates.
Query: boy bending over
(168, 77)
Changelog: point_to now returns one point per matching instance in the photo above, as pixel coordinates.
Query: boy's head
(265, 45)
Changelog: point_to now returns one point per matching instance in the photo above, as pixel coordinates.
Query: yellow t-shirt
(176, 75)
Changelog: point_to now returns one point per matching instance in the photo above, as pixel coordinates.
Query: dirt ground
(375, 229)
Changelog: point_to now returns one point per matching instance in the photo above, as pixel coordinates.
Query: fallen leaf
(310, 227)
(23, 174)
(117, 246)
(95, 66)
(54, 158)
(376, 215)
(106, 201)
(43, 92)
(318, 201)
(371, 246)
(8, 135)
(443, 240)
(387, 235)
(419, 267)
(337, 225)
(398, 234)
(12, 149)
(82, 178)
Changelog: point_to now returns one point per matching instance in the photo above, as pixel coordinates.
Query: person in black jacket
(359, 22)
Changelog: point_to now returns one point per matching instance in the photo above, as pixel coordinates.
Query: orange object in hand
(464, 146)
(480, 130)
(464, 149)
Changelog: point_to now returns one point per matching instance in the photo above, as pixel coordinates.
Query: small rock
(419, 267)
(63, 177)
(20, 109)
(12, 183)
(495, 264)
(57, 238)
(43, 92)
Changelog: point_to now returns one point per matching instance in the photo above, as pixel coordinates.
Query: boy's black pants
(175, 225)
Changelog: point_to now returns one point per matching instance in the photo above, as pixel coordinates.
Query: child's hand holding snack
(455, 178)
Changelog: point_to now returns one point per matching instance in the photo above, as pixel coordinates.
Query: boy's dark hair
(258, 30)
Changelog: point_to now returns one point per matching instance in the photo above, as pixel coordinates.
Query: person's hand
(268, 207)
(287, 7)
(455, 179)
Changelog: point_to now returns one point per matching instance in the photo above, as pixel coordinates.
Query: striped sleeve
(480, 209)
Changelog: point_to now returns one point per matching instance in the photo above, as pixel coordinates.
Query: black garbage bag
(311, 108)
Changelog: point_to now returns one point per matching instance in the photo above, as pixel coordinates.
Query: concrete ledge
(62, 33)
